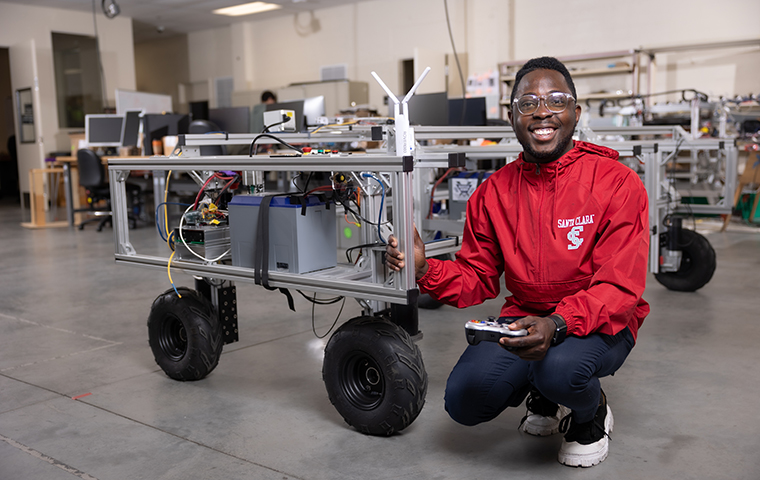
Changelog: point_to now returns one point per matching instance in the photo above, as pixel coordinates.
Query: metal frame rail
(340, 280)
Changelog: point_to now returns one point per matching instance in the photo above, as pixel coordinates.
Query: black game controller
(491, 330)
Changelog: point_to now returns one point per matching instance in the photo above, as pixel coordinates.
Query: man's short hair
(543, 63)
(266, 95)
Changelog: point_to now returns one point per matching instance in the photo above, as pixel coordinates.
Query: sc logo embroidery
(575, 241)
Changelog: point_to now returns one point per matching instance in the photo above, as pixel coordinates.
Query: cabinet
(596, 76)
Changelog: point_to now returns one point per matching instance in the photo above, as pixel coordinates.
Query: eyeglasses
(555, 102)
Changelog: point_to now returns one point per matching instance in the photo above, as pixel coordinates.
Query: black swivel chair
(93, 178)
(206, 126)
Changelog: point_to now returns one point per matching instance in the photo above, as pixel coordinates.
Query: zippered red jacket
(571, 236)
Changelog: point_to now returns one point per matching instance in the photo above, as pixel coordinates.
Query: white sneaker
(543, 416)
(587, 444)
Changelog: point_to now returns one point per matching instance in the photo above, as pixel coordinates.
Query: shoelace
(535, 406)
(564, 425)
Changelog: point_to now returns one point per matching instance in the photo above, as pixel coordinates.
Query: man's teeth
(543, 131)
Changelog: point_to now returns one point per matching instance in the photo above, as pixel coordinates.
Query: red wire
(215, 175)
(432, 192)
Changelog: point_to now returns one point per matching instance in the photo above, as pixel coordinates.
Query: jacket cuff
(570, 320)
(431, 274)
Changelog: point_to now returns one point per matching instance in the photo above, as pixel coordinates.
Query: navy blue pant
(488, 379)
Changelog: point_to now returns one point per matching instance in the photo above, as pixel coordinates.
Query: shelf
(618, 64)
(590, 72)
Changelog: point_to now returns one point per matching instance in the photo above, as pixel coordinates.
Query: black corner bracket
(408, 163)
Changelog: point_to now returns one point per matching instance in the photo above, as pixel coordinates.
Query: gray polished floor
(81, 396)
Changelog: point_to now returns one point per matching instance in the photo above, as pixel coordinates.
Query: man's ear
(577, 113)
(509, 117)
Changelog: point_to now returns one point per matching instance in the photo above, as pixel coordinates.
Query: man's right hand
(395, 259)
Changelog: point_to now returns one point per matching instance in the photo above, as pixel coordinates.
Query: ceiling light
(247, 9)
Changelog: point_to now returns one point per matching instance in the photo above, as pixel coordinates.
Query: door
(24, 75)
(435, 82)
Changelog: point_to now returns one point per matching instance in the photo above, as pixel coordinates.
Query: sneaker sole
(590, 459)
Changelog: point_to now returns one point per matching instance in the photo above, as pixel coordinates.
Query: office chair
(206, 126)
(92, 177)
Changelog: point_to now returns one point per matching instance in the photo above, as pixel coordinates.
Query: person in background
(567, 226)
(268, 97)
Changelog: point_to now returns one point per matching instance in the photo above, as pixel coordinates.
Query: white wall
(588, 26)
(21, 23)
(377, 35)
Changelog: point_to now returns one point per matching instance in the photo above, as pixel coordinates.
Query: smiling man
(567, 226)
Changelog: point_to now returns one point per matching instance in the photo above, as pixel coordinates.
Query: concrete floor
(81, 396)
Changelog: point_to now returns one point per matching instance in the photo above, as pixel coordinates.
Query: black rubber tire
(184, 334)
(375, 376)
(427, 302)
(697, 263)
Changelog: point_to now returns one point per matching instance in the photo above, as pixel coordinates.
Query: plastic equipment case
(302, 237)
(461, 187)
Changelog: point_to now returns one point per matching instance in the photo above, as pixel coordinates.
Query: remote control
(491, 330)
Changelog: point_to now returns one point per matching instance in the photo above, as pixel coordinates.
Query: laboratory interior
(379, 239)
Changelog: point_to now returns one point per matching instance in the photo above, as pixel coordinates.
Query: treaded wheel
(184, 334)
(374, 375)
(697, 263)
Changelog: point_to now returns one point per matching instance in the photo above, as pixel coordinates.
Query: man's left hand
(536, 343)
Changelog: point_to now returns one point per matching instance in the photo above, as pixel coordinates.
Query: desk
(72, 201)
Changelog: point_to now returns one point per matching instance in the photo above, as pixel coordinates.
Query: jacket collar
(578, 150)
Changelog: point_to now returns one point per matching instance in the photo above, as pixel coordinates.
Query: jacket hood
(579, 148)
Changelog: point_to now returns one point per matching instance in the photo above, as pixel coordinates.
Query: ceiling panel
(182, 16)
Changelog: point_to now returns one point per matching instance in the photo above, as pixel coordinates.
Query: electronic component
(207, 241)
(302, 237)
(280, 121)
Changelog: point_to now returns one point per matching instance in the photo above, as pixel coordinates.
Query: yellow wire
(166, 224)
(166, 208)
(353, 122)
(169, 272)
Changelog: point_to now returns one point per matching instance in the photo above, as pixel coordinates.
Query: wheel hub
(173, 338)
(362, 381)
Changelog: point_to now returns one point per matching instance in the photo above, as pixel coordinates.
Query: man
(566, 224)
(268, 97)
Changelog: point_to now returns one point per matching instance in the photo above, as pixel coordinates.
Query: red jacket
(571, 237)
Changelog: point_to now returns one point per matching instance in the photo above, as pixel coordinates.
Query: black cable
(366, 245)
(320, 301)
(285, 119)
(313, 327)
(459, 67)
(269, 135)
(342, 202)
(226, 186)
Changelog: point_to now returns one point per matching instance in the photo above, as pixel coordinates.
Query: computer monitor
(296, 106)
(474, 112)
(313, 108)
(156, 127)
(231, 119)
(429, 109)
(130, 132)
(103, 130)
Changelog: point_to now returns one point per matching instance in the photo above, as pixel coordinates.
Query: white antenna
(404, 133)
(416, 85)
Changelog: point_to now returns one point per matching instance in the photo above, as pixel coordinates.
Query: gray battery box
(297, 243)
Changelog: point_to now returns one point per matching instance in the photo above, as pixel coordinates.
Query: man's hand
(395, 259)
(536, 343)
